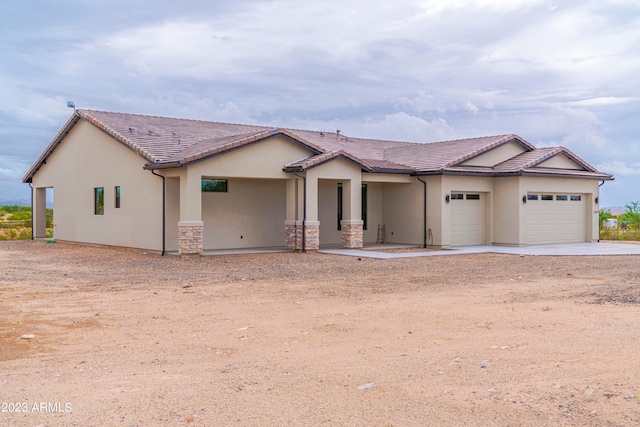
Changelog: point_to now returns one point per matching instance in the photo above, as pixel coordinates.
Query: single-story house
(185, 185)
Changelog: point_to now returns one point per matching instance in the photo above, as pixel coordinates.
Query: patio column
(190, 226)
(352, 225)
(293, 201)
(312, 224)
(39, 214)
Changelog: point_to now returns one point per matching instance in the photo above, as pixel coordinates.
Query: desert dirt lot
(130, 338)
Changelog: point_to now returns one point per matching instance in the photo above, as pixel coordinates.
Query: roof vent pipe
(338, 134)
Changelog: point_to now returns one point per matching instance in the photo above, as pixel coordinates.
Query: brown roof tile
(170, 142)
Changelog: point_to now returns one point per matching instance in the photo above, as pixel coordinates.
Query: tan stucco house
(187, 186)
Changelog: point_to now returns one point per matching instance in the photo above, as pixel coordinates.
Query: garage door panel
(556, 220)
(467, 220)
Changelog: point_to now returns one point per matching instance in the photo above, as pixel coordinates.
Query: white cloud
(405, 127)
(619, 168)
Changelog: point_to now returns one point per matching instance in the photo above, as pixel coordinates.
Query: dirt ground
(130, 338)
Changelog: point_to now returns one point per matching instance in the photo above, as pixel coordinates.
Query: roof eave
(66, 129)
(162, 165)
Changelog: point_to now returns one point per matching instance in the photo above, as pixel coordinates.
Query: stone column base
(293, 235)
(190, 238)
(352, 234)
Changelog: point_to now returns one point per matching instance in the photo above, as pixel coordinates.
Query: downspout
(32, 216)
(424, 215)
(304, 210)
(164, 211)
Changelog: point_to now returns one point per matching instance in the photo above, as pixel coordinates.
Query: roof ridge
(171, 118)
(259, 130)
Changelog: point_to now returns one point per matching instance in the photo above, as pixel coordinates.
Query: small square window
(214, 185)
(98, 201)
(473, 197)
(575, 198)
(457, 196)
(117, 196)
(561, 197)
(547, 197)
(532, 197)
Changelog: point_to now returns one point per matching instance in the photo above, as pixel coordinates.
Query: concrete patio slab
(572, 249)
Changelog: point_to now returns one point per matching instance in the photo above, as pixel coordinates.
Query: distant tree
(632, 214)
(605, 215)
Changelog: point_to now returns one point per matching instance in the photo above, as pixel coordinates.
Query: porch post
(39, 214)
(352, 226)
(291, 214)
(190, 226)
(312, 224)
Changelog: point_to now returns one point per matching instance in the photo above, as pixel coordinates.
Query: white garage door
(467, 219)
(555, 218)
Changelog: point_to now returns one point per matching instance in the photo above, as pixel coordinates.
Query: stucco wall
(374, 211)
(250, 214)
(328, 212)
(560, 162)
(496, 155)
(508, 212)
(87, 159)
(403, 211)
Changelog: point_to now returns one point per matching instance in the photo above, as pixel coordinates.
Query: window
(457, 196)
(473, 197)
(214, 185)
(574, 198)
(364, 206)
(98, 201)
(547, 197)
(532, 197)
(339, 206)
(561, 197)
(117, 196)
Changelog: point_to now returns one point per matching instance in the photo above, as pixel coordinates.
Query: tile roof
(169, 142)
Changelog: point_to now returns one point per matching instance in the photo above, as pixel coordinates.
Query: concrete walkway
(540, 250)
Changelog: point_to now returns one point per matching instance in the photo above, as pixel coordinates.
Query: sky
(553, 72)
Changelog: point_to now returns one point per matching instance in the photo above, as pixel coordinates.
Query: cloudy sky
(554, 72)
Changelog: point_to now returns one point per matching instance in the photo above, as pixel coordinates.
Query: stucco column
(39, 213)
(190, 226)
(291, 214)
(352, 224)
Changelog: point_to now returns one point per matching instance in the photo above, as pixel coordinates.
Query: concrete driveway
(541, 250)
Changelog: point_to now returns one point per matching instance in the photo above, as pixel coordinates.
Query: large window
(117, 196)
(214, 185)
(98, 200)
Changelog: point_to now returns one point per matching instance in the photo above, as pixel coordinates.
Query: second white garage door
(467, 219)
(555, 218)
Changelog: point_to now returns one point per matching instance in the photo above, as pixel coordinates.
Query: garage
(555, 218)
(467, 219)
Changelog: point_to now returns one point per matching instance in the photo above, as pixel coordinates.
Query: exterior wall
(587, 187)
(508, 212)
(172, 189)
(86, 159)
(328, 212)
(263, 159)
(560, 162)
(250, 214)
(403, 211)
(374, 211)
(497, 155)
(435, 207)
(322, 197)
